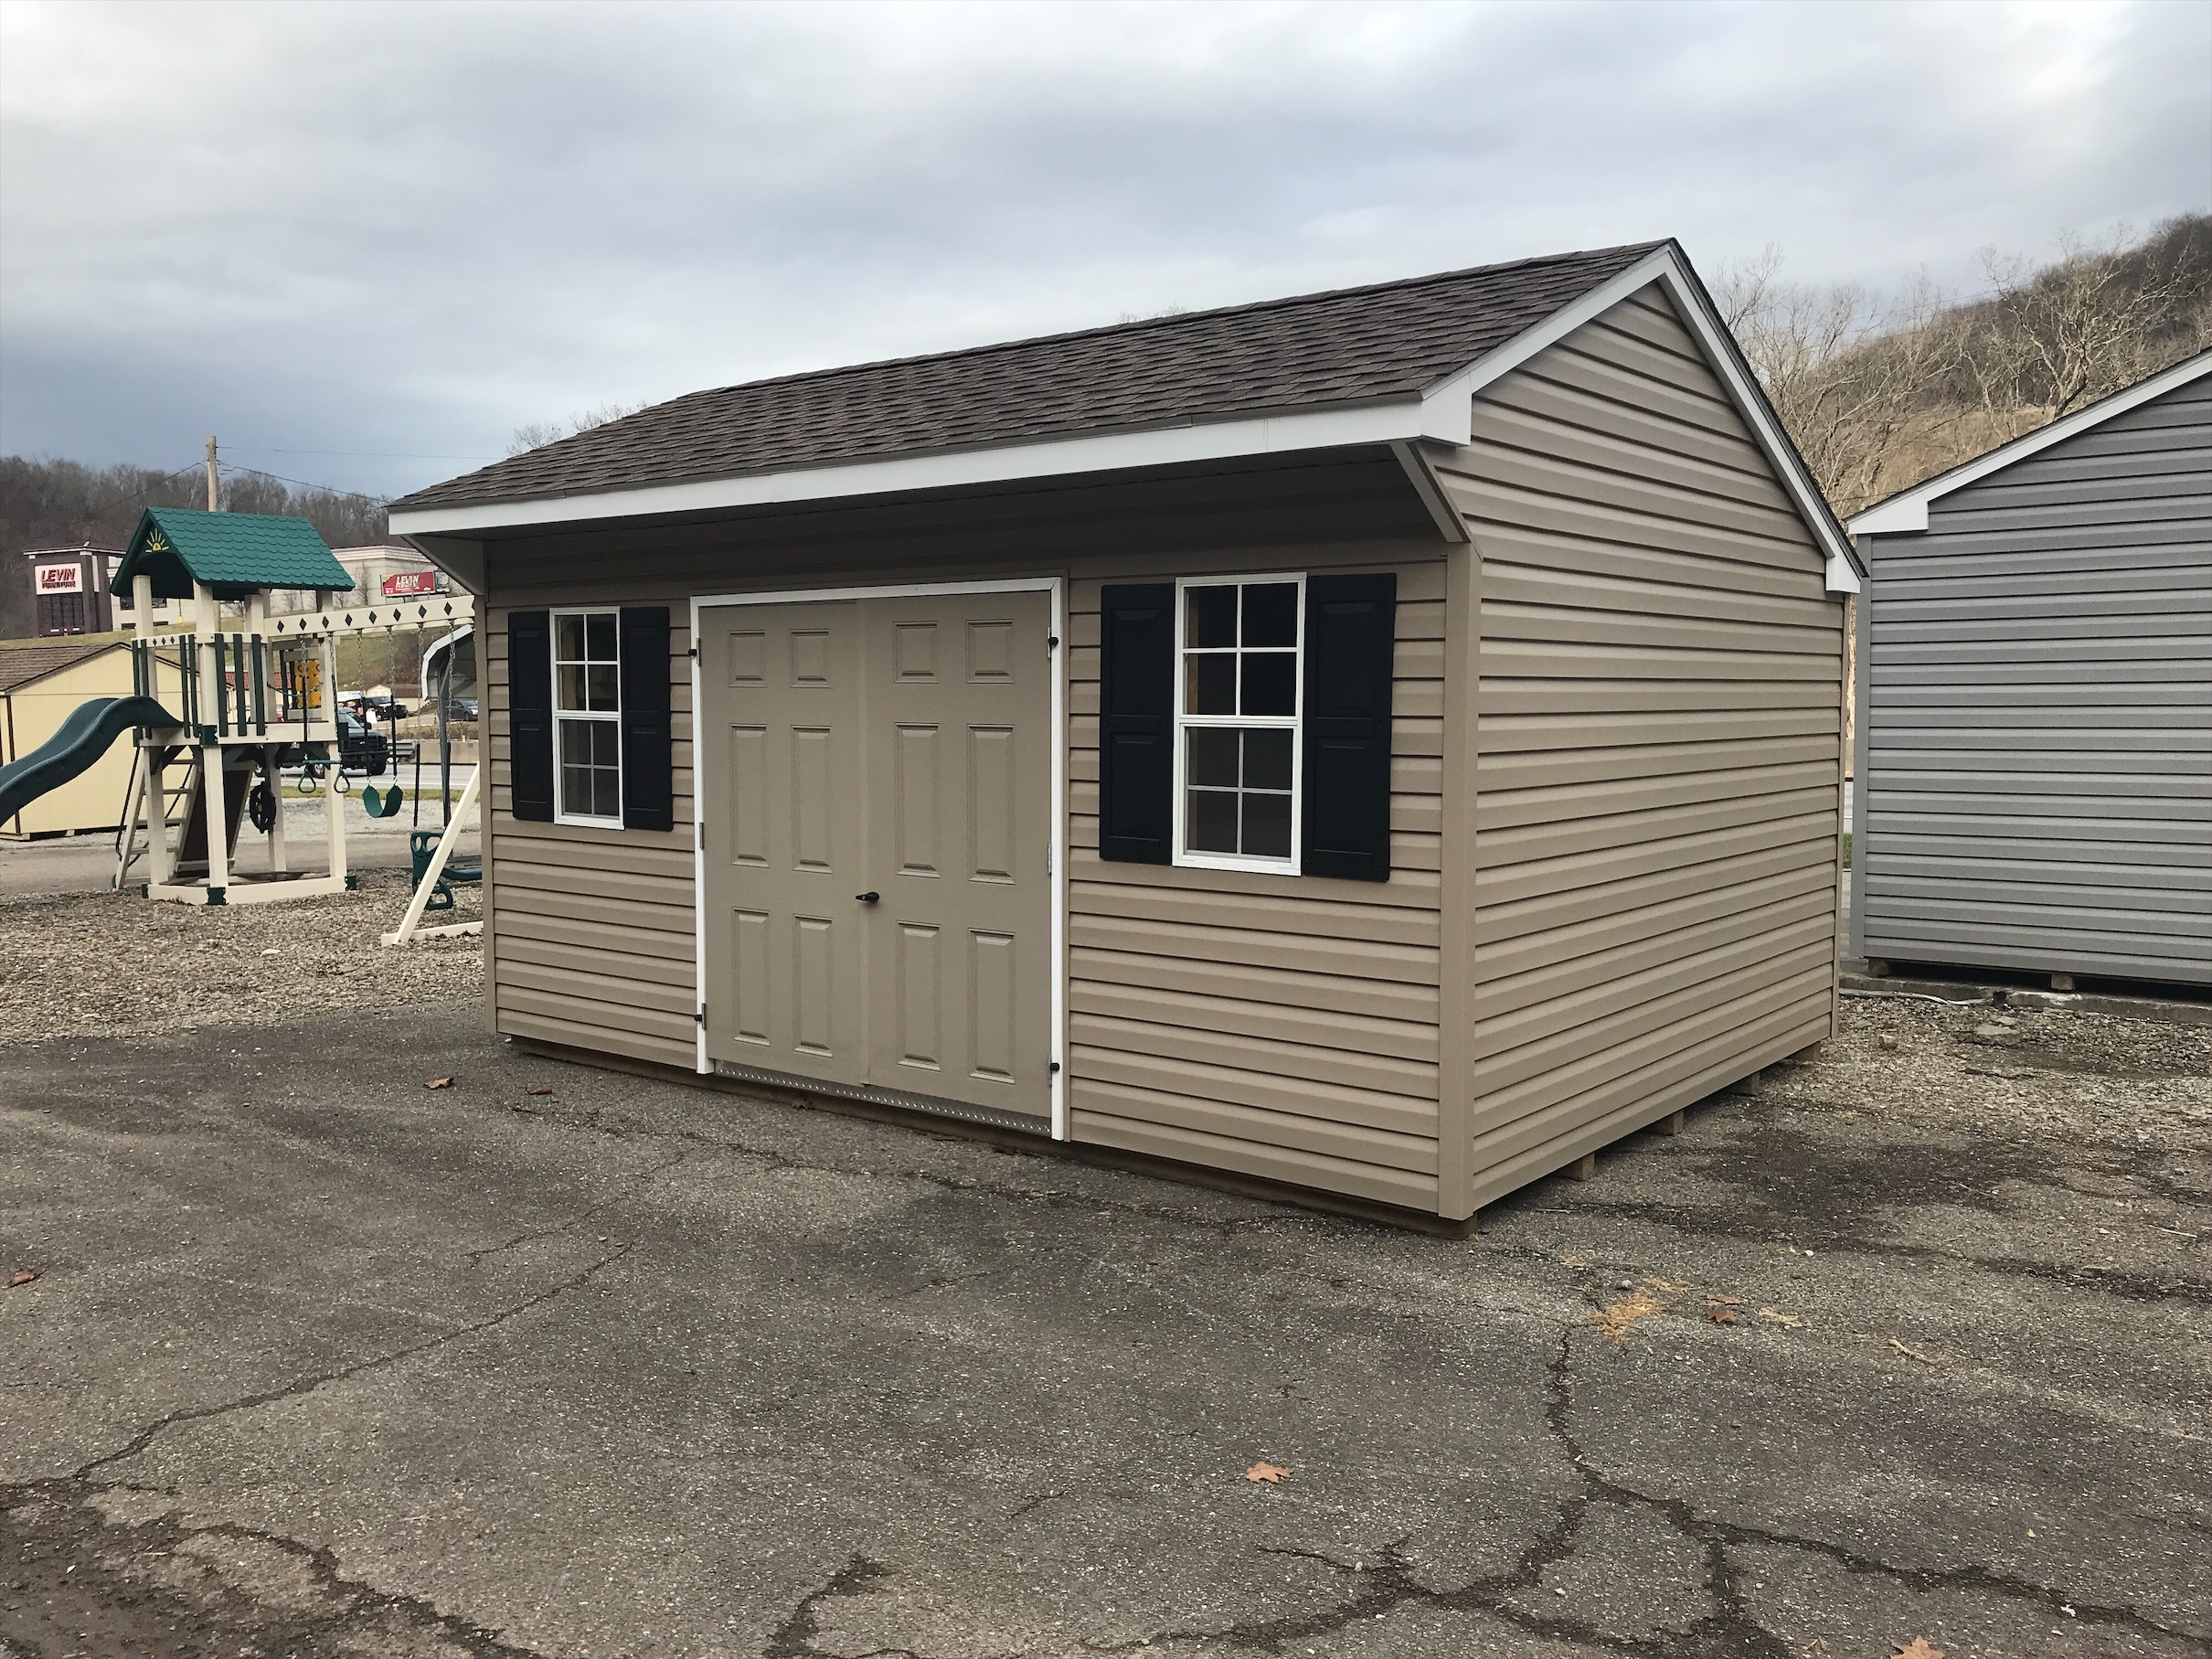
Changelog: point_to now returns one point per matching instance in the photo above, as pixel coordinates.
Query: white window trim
(1294, 723)
(561, 814)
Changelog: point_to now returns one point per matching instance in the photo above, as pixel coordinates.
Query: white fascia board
(1663, 266)
(1443, 413)
(1906, 514)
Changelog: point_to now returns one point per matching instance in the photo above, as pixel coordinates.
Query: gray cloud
(391, 232)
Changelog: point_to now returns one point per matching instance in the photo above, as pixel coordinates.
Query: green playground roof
(236, 554)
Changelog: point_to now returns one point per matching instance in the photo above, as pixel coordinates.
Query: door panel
(958, 713)
(899, 746)
(786, 852)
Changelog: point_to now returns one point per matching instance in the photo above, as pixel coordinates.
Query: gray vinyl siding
(1658, 749)
(2038, 794)
(1277, 1026)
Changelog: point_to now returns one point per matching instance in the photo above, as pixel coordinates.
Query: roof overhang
(1443, 413)
(1906, 513)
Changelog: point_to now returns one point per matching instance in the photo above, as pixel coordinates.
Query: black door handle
(868, 898)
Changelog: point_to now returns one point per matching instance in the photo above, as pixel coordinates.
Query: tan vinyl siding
(1284, 1026)
(592, 939)
(1658, 745)
(1272, 1032)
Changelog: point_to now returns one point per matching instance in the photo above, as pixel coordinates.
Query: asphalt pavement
(326, 1356)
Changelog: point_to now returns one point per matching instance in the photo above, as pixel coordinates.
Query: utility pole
(211, 473)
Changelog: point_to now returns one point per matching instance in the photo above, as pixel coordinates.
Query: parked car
(361, 748)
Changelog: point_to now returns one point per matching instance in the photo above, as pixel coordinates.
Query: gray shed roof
(1352, 345)
(1907, 509)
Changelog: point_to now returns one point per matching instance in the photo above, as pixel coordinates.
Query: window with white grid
(587, 717)
(1236, 722)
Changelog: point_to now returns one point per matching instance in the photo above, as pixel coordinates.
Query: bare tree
(2069, 332)
(1849, 371)
(538, 433)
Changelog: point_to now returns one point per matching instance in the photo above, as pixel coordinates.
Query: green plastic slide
(84, 737)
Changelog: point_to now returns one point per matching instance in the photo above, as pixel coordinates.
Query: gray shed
(2034, 746)
(1380, 745)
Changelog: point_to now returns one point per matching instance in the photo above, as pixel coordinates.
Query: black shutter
(1136, 723)
(648, 742)
(531, 714)
(1350, 625)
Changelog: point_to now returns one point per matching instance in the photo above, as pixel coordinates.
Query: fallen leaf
(1779, 1317)
(1617, 1319)
(1720, 1315)
(1272, 1474)
(1911, 1353)
(541, 1088)
(439, 1082)
(1919, 1647)
(22, 1275)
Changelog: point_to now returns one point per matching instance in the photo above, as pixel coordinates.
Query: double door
(876, 793)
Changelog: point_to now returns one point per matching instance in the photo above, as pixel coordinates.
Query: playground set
(255, 699)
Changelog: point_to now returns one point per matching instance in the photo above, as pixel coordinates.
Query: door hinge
(701, 827)
(1052, 641)
(693, 653)
(701, 1017)
(1052, 1067)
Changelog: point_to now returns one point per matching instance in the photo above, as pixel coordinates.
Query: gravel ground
(105, 965)
(2011, 1075)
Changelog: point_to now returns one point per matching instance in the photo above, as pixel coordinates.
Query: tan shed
(1384, 744)
(42, 682)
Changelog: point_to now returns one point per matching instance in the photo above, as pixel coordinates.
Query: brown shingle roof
(1393, 339)
(22, 663)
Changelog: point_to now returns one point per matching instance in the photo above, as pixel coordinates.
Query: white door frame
(1056, 846)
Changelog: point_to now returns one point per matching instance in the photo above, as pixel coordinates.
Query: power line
(139, 495)
(264, 449)
(328, 489)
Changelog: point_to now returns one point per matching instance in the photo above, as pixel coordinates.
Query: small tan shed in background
(1385, 744)
(42, 682)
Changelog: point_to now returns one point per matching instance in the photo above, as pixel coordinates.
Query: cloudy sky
(363, 243)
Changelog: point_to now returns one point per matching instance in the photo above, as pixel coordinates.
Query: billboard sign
(411, 584)
(61, 579)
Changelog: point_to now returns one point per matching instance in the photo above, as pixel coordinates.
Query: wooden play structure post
(206, 624)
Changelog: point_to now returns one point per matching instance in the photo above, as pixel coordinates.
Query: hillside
(1883, 390)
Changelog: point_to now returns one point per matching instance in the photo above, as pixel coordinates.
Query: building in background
(69, 590)
(2035, 764)
(42, 684)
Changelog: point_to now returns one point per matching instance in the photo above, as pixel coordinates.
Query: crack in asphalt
(308, 1385)
(794, 1638)
(355, 1600)
(1730, 1629)
(640, 1177)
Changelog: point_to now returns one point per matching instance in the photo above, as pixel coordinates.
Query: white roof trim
(1907, 513)
(1444, 413)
